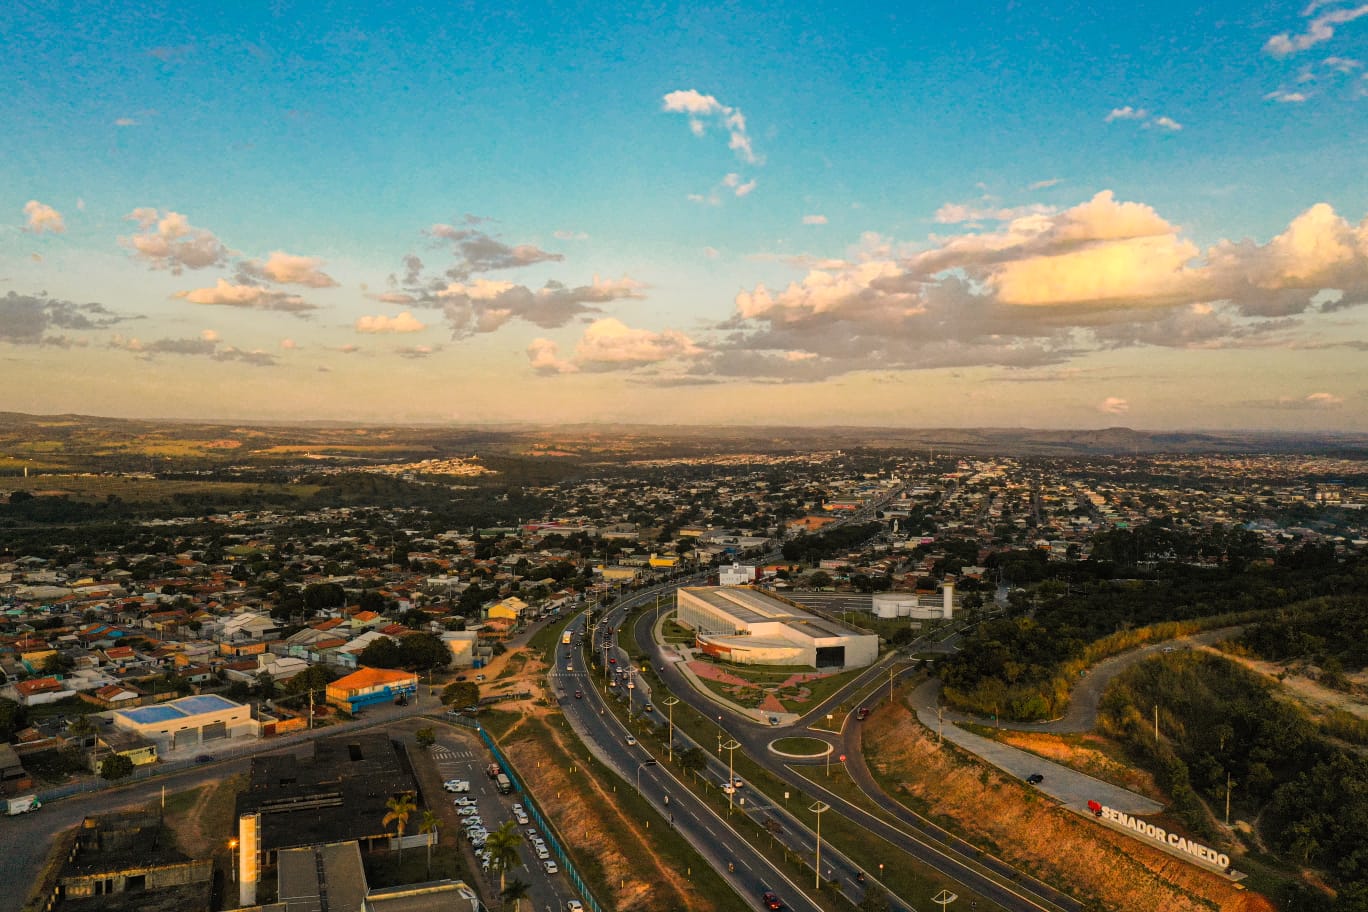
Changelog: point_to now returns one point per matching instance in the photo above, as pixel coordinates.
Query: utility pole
(819, 809)
(1229, 783)
(940, 722)
(670, 705)
(1156, 724)
(731, 746)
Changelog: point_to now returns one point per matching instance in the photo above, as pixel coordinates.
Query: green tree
(875, 899)
(692, 759)
(400, 808)
(425, 737)
(819, 580)
(13, 718)
(116, 766)
(461, 694)
(503, 849)
(429, 825)
(516, 891)
(265, 685)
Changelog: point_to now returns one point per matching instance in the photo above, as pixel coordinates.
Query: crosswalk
(441, 753)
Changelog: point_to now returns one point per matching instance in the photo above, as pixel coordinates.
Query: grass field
(137, 489)
(802, 747)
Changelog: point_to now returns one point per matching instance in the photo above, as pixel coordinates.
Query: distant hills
(73, 442)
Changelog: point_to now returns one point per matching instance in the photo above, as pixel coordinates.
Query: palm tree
(515, 891)
(400, 807)
(429, 825)
(503, 848)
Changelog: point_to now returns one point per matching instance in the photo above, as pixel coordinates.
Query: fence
(552, 837)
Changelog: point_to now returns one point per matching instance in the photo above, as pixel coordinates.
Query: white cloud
(125, 122)
(289, 344)
(1286, 97)
(1041, 290)
(702, 108)
(252, 297)
(1126, 113)
(814, 220)
(1113, 405)
(170, 242)
(404, 323)
(1142, 114)
(957, 213)
(210, 335)
(609, 345)
(1310, 402)
(1318, 30)
(288, 269)
(1045, 184)
(484, 306)
(42, 217)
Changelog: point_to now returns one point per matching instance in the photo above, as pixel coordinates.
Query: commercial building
(748, 626)
(188, 722)
(371, 686)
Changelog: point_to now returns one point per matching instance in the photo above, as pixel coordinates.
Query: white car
(551, 867)
(456, 785)
(727, 789)
(464, 802)
(543, 852)
(532, 833)
(468, 811)
(631, 742)
(521, 817)
(574, 905)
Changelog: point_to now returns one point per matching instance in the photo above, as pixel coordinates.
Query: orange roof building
(371, 686)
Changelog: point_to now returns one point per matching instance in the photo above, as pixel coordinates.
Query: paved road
(1013, 892)
(696, 820)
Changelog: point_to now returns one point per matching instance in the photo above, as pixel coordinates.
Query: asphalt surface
(702, 825)
(994, 881)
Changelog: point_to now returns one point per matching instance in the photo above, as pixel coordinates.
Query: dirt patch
(206, 825)
(595, 826)
(1082, 858)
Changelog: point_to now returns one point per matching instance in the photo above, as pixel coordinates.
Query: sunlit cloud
(1113, 405)
(288, 269)
(42, 217)
(168, 241)
(704, 109)
(609, 344)
(814, 220)
(1318, 30)
(252, 297)
(403, 323)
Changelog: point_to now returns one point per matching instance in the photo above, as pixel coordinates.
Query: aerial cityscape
(826, 458)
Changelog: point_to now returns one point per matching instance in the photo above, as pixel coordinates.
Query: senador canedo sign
(1175, 842)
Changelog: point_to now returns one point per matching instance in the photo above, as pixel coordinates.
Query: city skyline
(967, 216)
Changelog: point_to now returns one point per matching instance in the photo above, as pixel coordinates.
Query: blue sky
(962, 214)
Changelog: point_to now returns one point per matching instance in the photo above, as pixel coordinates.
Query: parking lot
(460, 755)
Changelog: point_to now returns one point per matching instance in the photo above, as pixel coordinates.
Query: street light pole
(819, 809)
(670, 705)
(731, 746)
(232, 851)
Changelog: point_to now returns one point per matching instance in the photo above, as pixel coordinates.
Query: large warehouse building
(188, 722)
(751, 627)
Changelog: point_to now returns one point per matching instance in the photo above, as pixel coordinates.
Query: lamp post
(640, 767)
(731, 746)
(819, 809)
(670, 705)
(232, 866)
(719, 736)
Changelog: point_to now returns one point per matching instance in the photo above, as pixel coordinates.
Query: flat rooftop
(176, 710)
(751, 606)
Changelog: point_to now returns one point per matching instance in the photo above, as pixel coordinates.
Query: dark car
(771, 900)
(579, 695)
(205, 758)
(1035, 778)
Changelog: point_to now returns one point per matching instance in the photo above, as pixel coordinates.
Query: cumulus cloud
(608, 345)
(1141, 114)
(417, 351)
(1040, 290)
(404, 323)
(288, 269)
(1318, 30)
(705, 109)
(207, 345)
(289, 344)
(1113, 405)
(478, 252)
(252, 297)
(484, 306)
(814, 220)
(31, 319)
(42, 217)
(168, 241)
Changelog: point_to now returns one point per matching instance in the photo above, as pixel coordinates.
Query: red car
(612, 661)
(771, 901)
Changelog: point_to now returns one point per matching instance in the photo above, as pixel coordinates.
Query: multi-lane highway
(749, 872)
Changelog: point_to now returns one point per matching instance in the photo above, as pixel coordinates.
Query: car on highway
(1035, 778)
(736, 781)
(863, 713)
(579, 695)
(648, 708)
(631, 742)
(727, 789)
(771, 900)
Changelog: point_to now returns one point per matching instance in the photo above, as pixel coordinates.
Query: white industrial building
(751, 627)
(188, 722)
(910, 605)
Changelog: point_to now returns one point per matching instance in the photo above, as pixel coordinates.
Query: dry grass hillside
(1062, 848)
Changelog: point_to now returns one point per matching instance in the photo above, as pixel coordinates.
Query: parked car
(456, 785)
(551, 867)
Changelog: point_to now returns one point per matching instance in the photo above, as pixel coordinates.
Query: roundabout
(801, 748)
